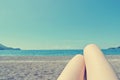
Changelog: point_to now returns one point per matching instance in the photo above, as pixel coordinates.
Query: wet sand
(41, 68)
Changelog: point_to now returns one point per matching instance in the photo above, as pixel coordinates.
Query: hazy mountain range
(3, 47)
(114, 47)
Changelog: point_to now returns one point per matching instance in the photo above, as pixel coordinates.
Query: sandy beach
(42, 67)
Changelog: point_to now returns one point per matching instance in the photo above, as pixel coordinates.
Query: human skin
(74, 70)
(97, 66)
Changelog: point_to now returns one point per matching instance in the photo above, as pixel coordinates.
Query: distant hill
(118, 47)
(115, 48)
(3, 47)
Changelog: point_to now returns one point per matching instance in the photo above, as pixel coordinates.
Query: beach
(41, 67)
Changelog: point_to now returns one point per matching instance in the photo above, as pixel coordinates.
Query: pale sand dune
(40, 68)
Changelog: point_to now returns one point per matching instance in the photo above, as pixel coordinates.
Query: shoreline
(46, 58)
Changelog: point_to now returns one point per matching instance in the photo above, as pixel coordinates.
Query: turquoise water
(51, 52)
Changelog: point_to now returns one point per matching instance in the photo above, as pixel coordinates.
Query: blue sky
(59, 24)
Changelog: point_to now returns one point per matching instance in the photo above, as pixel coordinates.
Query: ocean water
(51, 52)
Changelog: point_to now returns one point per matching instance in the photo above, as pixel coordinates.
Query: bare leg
(96, 65)
(74, 69)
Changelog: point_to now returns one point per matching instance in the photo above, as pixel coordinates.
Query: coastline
(41, 67)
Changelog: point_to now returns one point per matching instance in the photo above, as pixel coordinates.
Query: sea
(52, 52)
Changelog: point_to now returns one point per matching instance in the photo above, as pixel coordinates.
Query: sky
(59, 24)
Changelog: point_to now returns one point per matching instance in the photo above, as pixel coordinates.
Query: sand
(41, 68)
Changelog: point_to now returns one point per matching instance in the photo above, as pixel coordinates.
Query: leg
(96, 65)
(74, 69)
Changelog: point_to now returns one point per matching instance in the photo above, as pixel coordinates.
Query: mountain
(115, 48)
(3, 47)
(118, 47)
